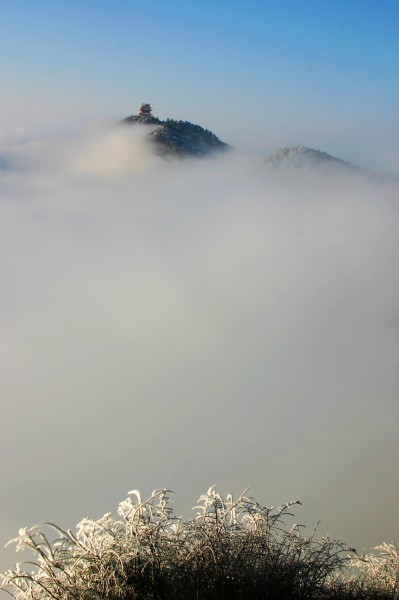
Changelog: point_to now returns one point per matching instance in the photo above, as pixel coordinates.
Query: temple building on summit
(145, 110)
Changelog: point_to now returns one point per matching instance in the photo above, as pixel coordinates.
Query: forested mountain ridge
(177, 138)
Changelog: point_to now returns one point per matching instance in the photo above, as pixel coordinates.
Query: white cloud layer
(182, 324)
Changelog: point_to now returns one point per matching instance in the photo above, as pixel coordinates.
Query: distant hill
(299, 157)
(178, 138)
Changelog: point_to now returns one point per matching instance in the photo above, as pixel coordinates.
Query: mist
(180, 324)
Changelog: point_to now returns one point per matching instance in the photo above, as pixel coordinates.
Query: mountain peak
(297, 157)
(177, 138)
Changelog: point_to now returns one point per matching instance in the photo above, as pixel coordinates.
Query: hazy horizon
(260, 75)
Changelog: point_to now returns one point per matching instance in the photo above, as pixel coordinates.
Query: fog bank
(187, 323)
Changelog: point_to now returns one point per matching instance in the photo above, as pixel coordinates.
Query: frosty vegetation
(232, 549)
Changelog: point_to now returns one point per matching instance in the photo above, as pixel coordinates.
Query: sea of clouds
(185, 323)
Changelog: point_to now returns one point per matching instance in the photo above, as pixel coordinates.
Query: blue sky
(259, 73)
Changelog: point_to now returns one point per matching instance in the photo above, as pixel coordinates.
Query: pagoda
(145, 110)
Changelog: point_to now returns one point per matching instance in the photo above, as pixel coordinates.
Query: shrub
(232, 549)
(378, 571)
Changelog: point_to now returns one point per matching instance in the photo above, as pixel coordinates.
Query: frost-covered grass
(231, 549)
